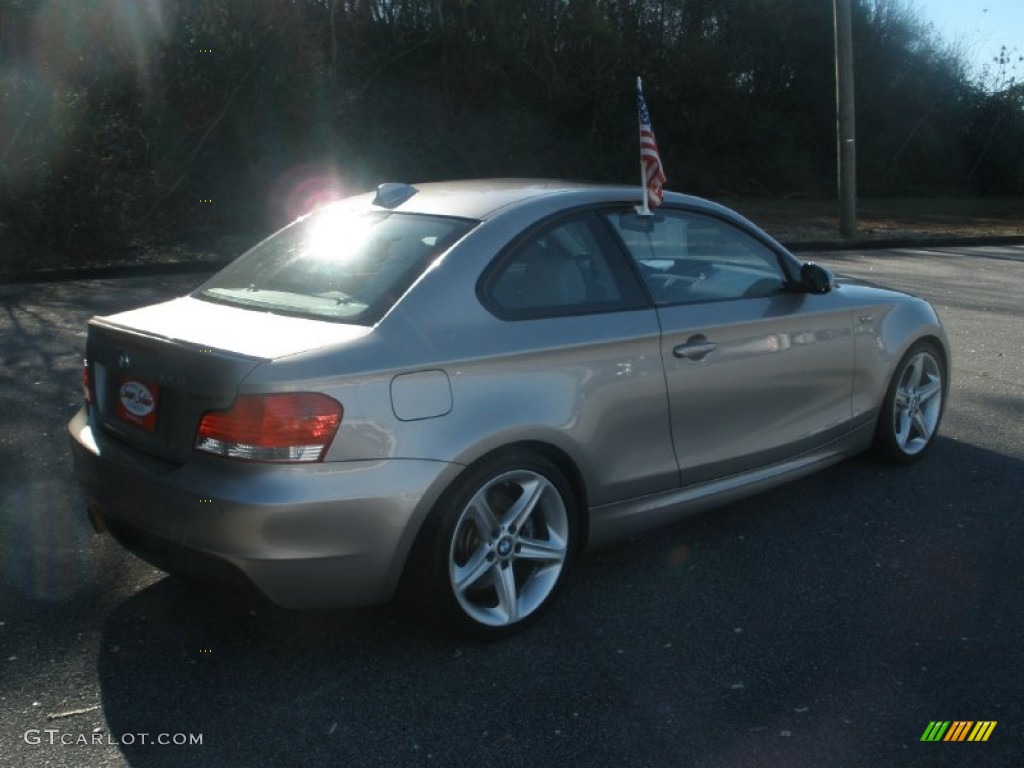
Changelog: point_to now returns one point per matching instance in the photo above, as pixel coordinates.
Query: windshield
(335, 264)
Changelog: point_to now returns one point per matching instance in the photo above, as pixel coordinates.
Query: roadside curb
(884, 244)
(111, 272)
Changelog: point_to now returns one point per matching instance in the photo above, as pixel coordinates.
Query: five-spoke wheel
(913, 406)
(498, 545)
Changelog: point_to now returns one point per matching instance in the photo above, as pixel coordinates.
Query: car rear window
(336, 264)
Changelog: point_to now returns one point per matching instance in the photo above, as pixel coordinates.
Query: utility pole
(845, 117)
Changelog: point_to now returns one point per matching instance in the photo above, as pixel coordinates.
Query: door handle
(696, 348)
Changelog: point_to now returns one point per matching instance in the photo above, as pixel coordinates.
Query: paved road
(822, 624)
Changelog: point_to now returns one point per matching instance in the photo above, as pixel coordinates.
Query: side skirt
(611, 522)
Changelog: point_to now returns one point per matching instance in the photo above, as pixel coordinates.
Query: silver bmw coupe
(456, 387)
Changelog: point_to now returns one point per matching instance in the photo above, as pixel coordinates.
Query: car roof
(482, 199)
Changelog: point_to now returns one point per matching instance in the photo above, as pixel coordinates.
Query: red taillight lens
(287, 427)
(86, 382)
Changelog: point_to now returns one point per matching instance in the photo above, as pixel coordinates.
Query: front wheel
(496, 549)
(913, 405)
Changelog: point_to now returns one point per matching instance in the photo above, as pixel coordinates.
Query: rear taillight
(86, 382)
(284, 427)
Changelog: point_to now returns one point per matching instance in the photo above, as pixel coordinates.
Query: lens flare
(303, 189)
(97, 39)
(60, 56)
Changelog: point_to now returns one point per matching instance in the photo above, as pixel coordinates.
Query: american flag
(654, 174)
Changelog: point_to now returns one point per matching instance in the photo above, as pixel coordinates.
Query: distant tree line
(125, 122)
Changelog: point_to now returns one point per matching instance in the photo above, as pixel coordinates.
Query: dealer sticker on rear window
(136, 403)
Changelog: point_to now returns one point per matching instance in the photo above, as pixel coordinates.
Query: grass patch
(791, 221)
(914, 218)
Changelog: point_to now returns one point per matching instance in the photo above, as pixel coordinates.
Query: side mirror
(815, 278)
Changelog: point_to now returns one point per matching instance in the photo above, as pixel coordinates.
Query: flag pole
(644, 210)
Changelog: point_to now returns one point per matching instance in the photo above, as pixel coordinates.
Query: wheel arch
(561, 459)
(565, 463)
(941, 347)
(416, 573)
(553, 453)
(932, 338)
(907, 322)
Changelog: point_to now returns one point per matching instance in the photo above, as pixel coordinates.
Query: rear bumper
(306, 536)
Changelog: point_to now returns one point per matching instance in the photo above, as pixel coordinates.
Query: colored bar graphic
(982, 730)
(935, 731)
(958, 730)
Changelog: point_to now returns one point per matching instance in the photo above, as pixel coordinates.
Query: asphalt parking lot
(826, 623)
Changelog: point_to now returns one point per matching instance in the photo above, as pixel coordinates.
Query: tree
(118, 121)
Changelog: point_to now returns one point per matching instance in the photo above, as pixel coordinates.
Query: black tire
(914, 403)
(485, 562)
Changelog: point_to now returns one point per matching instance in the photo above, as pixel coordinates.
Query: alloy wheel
(509, 548)
(917, 404)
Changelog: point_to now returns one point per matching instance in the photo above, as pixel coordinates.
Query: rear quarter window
(569, 268)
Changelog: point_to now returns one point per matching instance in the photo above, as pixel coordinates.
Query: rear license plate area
(137, 403)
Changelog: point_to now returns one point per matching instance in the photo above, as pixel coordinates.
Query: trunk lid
(156, 370)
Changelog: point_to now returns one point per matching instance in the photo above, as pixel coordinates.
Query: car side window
(686, 257)
(571, 267)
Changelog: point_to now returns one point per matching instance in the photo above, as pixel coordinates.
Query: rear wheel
(913, 405)
(495, 551)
